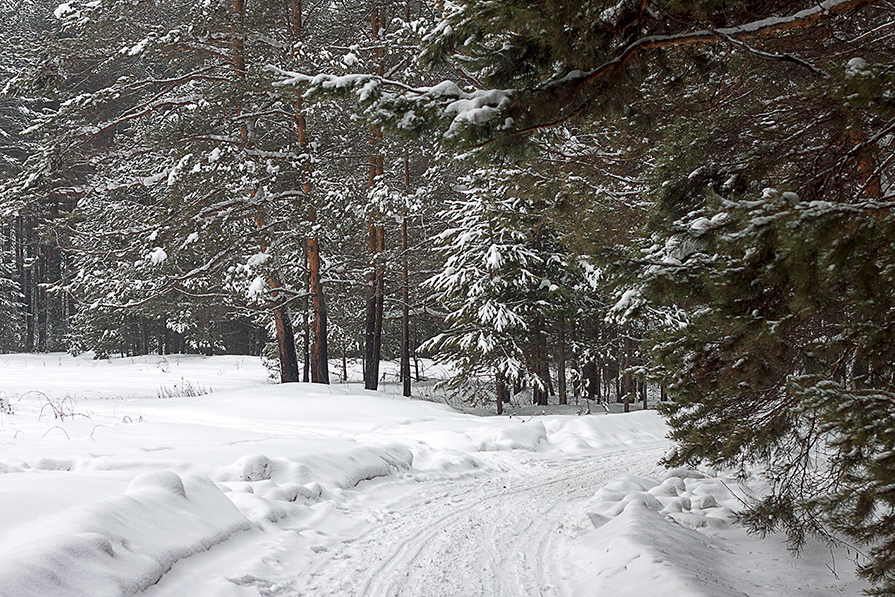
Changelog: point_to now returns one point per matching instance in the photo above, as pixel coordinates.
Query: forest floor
(188, 475)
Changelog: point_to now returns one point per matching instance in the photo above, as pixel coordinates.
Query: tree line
(573, 199)
(166, 194)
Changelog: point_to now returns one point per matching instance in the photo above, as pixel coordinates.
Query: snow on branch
(477, 107)
(575, 80)
(495, 111)
(762, 27)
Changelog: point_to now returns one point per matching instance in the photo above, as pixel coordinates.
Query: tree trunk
(591, 378)
(405, 311)
(144, 336)
(380, 299)
(626, 379)
(373, 335)
(209, 339)
(375, 246)
(539, 364)
(503, 392)
(286, 345)
(561, 366)
(320, 354)
(305, 323)
(41, 294)
(282, 319)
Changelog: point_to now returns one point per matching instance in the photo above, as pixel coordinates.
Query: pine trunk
(285, 344)
(320, 355)
(405, 311)
(626, 379)
(371, 357)
(561, 365)
(305, 322)
(375, 246)
(503, 392)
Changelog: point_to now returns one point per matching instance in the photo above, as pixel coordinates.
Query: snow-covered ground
(117, 479)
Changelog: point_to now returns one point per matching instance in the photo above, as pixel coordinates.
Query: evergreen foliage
(11, 324)
(721, 169)
(756, 253)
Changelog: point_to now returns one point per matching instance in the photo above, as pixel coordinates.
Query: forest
(563, 200)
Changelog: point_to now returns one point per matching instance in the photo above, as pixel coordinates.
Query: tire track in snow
(493, 538)
(497, 532)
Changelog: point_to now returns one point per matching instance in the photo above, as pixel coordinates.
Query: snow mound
(673, 535)
(686, 497)
(262, 487)
(644, 536)
(119, 545)
(640, 552)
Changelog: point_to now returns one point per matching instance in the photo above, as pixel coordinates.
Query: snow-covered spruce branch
(769, 55)
(576, 81)
(575, 90)
(762, 27)
(475, 107)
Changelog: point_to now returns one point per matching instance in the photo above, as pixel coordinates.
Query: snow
(257, 287)
(157, 256)
(191, 475)
(477, 107)
(258, 259)
(137, 48)
(856, 67)
(154, 179)
(62, 10)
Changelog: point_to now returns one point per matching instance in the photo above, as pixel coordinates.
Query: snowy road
(502, 531)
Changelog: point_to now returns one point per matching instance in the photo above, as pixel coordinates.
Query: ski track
(499, 540)
(500, 532)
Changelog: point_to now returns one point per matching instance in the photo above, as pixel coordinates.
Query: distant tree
(12, 328)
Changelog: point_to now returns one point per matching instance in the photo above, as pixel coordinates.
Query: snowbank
(119, 545)
(675, 532)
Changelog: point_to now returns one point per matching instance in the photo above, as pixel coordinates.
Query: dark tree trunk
(286, 345)
(380, 300)
(626, 379)
(320, 354)
(41, 294)
(209, 339)
(144, 336)
(375, 244)
(306, 326)
(23, 253)
(503, 392)
(405, 311)
(372, 337)
(561, 365)
(592, 379)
